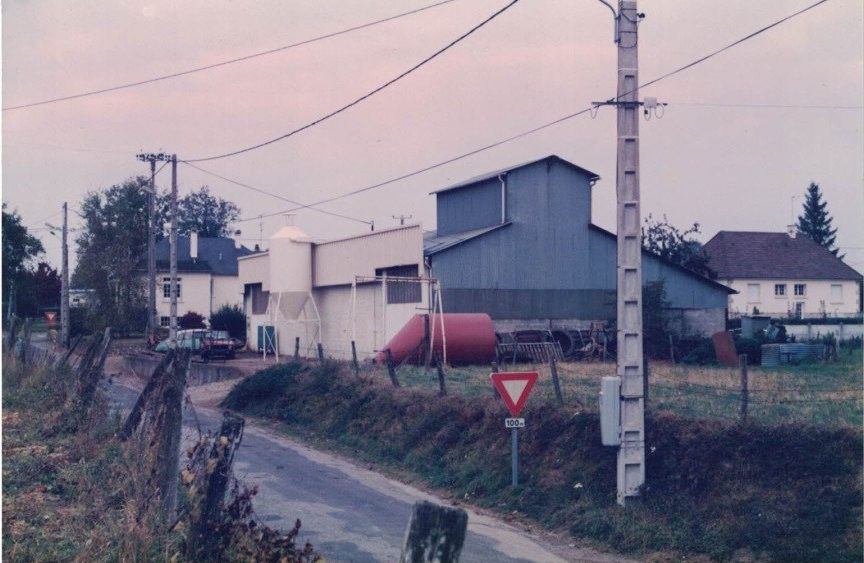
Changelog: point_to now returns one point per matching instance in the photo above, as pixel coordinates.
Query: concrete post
(631, 455)
(173, 256)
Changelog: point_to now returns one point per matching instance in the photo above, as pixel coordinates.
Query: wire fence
(813, 394)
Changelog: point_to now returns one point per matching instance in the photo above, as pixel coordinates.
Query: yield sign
(514, 387)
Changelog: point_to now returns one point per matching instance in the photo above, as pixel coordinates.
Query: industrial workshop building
(519, 245)
(362, 288)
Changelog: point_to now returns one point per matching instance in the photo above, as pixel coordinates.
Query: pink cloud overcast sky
(725, 167)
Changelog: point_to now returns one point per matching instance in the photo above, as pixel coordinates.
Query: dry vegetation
(717, 489)
(822, 393)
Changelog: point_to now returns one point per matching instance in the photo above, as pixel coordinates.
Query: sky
(718, 156)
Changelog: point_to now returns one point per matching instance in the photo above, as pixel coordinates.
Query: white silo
(290, 260)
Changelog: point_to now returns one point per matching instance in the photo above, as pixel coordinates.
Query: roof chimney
(193, 245)
(289, 219)
(791, 231)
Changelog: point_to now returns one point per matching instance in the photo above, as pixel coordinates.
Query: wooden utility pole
(64, 282)
(173, 258)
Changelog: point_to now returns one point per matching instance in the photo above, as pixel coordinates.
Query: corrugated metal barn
(519, 244)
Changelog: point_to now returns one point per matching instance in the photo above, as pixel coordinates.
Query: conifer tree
(815, 222)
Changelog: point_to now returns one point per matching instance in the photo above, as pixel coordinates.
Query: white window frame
(166, 291)
(839, 298)
(802, 287)
(782, 290)
(751, 292)
(165, 322)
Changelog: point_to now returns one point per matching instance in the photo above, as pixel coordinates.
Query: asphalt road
(347, 513)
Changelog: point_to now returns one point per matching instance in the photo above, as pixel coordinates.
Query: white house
(206, 272)
(781, 274)
(362, 288)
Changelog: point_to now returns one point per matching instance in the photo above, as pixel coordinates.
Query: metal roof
(434, 243)
(751, 255)
(496, 173)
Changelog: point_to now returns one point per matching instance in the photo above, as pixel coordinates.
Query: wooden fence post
(495, 369)
(391, 369)
(320, 352)
(553, 368)
(354, 359)
(296, 348)
(671, 350)
(442, 385)
(10, 336)
(745, 392)
(435, 534)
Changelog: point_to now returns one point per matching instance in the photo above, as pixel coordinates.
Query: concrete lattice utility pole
(631, 454)
(65, 321)
(630, 367)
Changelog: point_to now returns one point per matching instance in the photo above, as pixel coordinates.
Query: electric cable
(769, 106)
(541, 127)
(223, 63)
(364, 96)
(271, 194)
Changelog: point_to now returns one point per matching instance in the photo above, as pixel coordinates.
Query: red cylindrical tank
(470, 339)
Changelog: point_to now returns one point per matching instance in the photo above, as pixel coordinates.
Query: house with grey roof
(781, 274)
(207, 275)
(519, 244)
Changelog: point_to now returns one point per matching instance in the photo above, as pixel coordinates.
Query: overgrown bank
(729, 491)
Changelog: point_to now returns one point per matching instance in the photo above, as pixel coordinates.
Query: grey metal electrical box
(610, 411)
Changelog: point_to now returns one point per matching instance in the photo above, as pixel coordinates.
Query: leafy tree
(19, 249)
(208, 215)
(111, 245)
(815, 222)
(667, 241)
(38, 289)
(191, 320)
(230, 318)
(655, 323)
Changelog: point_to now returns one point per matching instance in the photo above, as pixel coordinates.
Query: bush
(699, 351)
(256, 390)
(752, 347)
(191, 320)
(230, 318)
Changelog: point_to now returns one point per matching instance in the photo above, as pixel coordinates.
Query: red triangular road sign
(514, 387)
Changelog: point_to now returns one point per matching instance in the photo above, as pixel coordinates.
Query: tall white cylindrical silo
(290, 260)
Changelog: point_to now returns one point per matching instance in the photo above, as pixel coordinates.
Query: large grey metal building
(519, 244)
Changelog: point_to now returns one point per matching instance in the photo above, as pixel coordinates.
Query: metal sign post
(514, 388)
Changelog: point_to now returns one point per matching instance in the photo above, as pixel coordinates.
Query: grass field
(716, 490)
(817, 392)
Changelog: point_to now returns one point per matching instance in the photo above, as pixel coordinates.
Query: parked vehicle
(205, 343)
(217, 344)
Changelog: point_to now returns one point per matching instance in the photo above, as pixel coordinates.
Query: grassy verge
(788, 492)
(67, 495)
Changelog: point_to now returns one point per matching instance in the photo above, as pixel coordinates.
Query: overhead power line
(364, 96)
(539, 128)
(224, 63)
(768, 106)
(271, 194)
